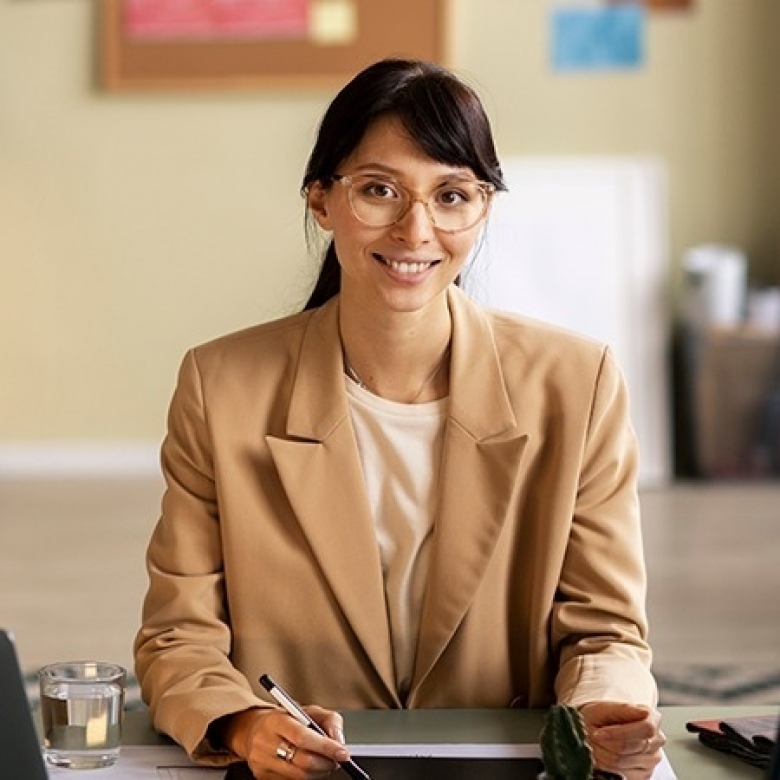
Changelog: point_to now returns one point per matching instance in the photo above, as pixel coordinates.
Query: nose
(416, 226)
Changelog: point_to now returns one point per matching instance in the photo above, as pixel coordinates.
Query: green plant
(565, 751)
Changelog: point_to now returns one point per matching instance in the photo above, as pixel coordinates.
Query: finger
(599, 714)
(282, 747)
(331, 722)
(629, 767)
(633, 766)
(287, 761)
(315, 752)
(629, 739)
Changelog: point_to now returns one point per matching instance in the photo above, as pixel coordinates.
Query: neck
(405, 359)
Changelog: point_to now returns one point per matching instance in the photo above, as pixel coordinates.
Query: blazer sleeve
(182, 648)
(599, 622)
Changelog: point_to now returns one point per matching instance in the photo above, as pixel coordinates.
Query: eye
(452, 197)
(376, 189)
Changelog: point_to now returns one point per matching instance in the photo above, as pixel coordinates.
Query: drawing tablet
(427, 768)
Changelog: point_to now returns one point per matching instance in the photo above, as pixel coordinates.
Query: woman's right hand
(276, 745)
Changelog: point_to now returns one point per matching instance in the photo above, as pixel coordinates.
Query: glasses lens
(458, 205)
(377, 202)
(455, 206)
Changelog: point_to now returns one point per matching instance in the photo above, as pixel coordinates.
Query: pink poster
(215, 19)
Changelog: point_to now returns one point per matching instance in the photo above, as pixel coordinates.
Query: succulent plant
(565, 751)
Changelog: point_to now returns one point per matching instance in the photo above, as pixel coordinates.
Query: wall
(701, 103)
(132, 226)
(773, 99)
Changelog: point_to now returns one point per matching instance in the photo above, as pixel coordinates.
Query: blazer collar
(318, 402)
(479, 403)
(478, 400)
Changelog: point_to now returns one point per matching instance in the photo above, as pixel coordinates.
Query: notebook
(20, 751)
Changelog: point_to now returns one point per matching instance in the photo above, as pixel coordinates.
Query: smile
(404, 267)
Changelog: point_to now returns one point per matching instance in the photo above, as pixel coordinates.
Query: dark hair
(441, 113)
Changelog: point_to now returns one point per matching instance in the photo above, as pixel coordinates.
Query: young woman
(396, 498)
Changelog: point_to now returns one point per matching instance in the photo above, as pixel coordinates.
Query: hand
(624, 738)
(276, 745)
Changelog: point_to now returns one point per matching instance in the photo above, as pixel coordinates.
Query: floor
(72, 577)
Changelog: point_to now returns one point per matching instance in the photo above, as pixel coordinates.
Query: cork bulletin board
(319, 44)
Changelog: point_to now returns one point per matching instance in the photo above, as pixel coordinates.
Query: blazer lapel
(481, 464)
(320, 470)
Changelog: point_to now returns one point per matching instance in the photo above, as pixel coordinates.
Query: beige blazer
(265, 558)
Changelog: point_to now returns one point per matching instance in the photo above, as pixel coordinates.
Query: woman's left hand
(624, 738)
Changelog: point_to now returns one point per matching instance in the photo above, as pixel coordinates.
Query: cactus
(565, 752)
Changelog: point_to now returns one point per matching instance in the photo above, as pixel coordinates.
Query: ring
(286, 751)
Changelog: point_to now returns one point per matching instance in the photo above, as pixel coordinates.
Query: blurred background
(135, 223)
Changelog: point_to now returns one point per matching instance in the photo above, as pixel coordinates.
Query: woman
(396, 498)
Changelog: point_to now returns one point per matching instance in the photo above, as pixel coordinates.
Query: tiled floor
(72, 574)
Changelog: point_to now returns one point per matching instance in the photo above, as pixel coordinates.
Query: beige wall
(773, 190)
(132, 226)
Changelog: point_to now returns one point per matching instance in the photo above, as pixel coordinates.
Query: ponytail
(328, 283)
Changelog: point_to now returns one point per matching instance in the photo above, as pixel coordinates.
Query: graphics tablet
(425, 768)
(422, 768)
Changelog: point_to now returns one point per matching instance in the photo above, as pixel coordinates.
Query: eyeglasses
(378, 201)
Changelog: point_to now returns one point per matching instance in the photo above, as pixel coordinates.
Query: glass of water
(81, 708)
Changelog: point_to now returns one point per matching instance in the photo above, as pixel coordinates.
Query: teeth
(407, 268)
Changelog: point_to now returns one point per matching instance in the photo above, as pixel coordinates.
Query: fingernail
(340, 736)
(342, 755)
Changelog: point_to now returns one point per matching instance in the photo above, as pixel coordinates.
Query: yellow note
(333, 22)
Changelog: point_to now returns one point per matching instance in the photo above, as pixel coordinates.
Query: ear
(317, 201)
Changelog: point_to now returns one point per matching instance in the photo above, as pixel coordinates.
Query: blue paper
(598, 38)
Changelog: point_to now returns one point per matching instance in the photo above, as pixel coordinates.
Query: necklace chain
(355, 377)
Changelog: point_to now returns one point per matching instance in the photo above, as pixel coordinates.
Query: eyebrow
(458, 174)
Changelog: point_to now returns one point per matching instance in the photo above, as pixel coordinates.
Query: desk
(690, 759)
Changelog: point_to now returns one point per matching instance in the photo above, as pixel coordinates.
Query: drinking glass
(81, 708)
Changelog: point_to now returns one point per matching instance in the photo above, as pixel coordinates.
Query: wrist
(231, 732)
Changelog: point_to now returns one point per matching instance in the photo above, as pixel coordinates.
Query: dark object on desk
(422, 768)
(20, 751)
(239, 772)
(751, 739)
(773, 773)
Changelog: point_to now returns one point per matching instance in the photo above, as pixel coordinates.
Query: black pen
(297, 712)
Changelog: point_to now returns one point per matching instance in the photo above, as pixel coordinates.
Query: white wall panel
(582, 242)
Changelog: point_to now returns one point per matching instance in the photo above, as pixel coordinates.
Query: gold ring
(286, 751)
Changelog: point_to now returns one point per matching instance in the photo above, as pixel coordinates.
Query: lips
(406, 267)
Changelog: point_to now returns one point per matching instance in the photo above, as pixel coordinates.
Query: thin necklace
(355, 377)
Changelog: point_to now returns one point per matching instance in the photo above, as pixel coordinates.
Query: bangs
(446, 120)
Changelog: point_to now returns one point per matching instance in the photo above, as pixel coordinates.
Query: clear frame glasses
(454, 206)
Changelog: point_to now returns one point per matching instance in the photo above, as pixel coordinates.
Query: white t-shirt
(400, 448)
